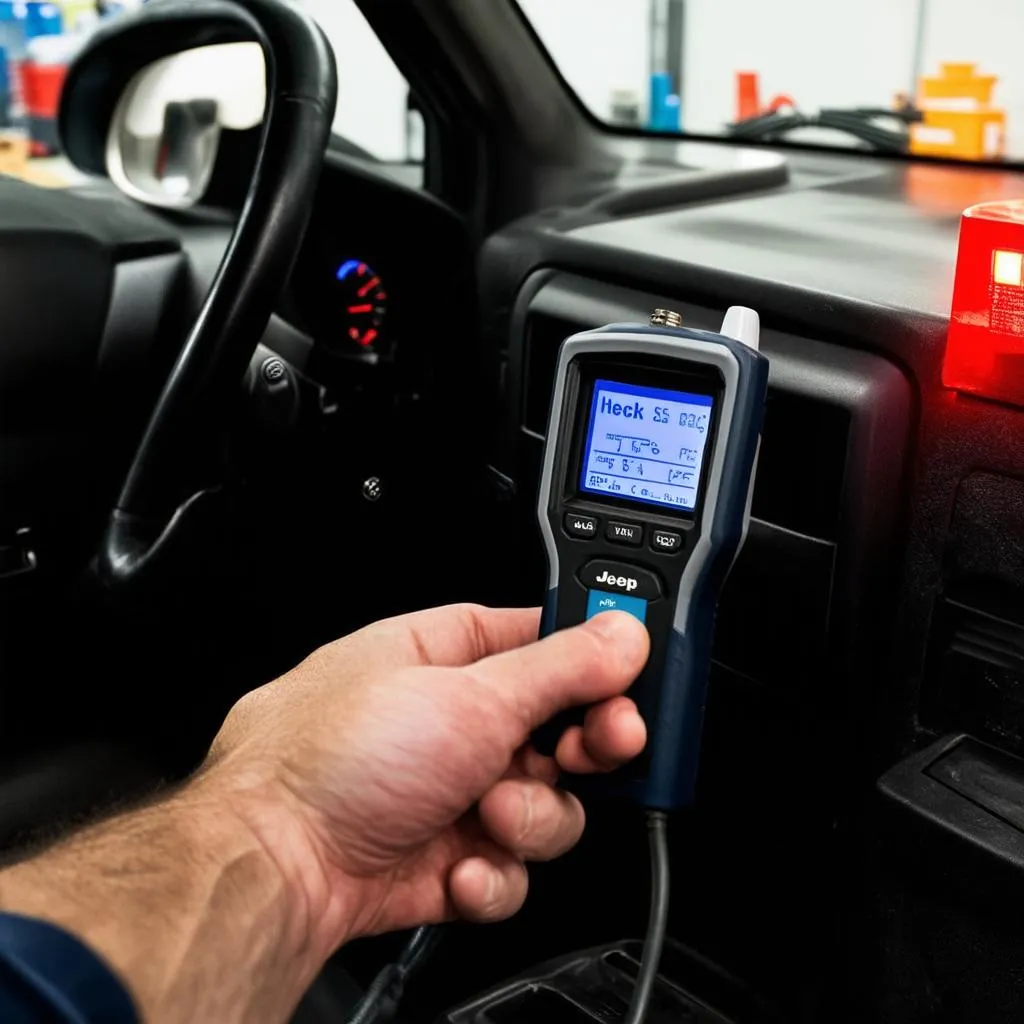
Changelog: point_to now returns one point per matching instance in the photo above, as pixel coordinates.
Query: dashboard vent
(802, 464)
(544, 335)
(975, 673)
(803, 450)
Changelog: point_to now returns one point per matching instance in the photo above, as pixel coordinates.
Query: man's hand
(383, 783)
(388, 775)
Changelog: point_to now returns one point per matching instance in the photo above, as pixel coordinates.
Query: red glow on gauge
(363, 302)
(985, 346)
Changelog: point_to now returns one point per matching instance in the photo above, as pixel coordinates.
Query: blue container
(42, 19)
(665, 107)
(5, 91)
(12, 29)
(13, 41)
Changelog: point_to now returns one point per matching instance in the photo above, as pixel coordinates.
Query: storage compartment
(962, 800)
(953, 850)
(975, 669)
(596, 986)
(974, 675)
(538, 1006)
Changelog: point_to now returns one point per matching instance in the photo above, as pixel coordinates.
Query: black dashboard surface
(854, 246)
(853, 251)
(853, 256)
(824, 240)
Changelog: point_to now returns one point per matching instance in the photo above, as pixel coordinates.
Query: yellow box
(14, 153)
(957, 83)
(963, 135)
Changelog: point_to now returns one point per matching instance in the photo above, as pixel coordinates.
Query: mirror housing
(123, 47)
(120, 52)
(164, 137)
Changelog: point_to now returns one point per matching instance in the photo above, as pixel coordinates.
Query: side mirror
(165, 133)
(158, 95)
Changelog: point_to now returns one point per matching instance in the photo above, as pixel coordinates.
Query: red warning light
(985, 348)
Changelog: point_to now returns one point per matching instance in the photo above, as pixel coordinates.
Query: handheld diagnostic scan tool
(644, 502)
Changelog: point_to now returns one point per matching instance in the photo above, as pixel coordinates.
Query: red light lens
(985, 347)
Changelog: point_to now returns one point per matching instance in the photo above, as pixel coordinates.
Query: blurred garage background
(945, 77)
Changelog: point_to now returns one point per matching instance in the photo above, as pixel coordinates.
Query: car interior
(277, 390)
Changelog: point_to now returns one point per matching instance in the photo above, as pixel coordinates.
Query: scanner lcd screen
(646, 444)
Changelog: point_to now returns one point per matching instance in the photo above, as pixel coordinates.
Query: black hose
(380, 1003)
(657, 835)
(859, 123)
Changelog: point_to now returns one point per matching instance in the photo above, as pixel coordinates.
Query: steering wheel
(156, 496)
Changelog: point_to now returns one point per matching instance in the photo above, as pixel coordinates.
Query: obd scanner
(644, 502)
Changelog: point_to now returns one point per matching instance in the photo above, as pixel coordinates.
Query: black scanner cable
(380, 1003)
(382, 998)
(657, 923)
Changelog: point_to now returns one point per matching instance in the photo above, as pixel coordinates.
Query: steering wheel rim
(301, 95)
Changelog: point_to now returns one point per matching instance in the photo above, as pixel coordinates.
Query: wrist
(319, 904)
(182, 898)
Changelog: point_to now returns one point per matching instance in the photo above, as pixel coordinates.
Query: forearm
(183, 901)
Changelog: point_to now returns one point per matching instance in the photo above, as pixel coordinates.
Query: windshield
(922, 77)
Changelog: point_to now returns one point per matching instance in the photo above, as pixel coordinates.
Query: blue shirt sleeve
(47, 976)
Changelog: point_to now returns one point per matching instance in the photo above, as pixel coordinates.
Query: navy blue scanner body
(643, 506)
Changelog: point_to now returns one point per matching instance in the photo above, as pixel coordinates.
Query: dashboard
(874, 611)
(378, 325)
(351, 292)
(868, 610)
(383, 285)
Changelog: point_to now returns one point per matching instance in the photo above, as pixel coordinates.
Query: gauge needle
(368, 308)
(372, 283)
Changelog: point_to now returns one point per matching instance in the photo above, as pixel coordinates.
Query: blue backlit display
(646, 444)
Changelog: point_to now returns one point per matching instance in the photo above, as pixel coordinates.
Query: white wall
(991, 34)
(821, 52)
(599, 45)
(371, 91)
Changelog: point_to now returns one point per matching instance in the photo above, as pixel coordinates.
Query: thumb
(590, 662)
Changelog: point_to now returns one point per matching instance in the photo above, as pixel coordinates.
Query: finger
(612, 734)
(538, 766)
(452, 636)
(587, 663)
(489, 887)
(531, 819)
(530, 764)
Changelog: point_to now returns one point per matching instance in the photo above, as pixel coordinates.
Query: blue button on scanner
(601, 601)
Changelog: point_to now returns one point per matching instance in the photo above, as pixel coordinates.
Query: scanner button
(619, 578)
(581, 526)
(625, 533)
(601, 601)
(666, 540)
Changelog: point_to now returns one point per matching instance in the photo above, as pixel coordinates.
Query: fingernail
(627, 634)
(620, 628)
